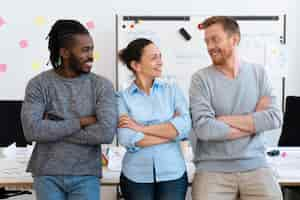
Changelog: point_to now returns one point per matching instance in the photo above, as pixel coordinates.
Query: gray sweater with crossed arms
(212, 94)
(63, 147)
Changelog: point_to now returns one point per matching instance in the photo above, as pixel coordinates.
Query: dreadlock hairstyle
(60, 36)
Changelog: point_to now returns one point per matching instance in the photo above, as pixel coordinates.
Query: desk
(110, 178)
(287, 176)
(286, 166)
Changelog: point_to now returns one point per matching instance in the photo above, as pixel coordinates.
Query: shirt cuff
(137, 137)
(224, 131)
(180, 126)
(75, 124)
(259, 121)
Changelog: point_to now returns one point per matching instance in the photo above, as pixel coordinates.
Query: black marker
(185, 34)
(274, 152)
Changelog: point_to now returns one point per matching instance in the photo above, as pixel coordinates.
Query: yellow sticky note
(274, 51)
(96, 55)
(36, 65)
(40, 20)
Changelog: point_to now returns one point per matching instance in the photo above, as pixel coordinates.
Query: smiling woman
(153, 119)
(143, 58)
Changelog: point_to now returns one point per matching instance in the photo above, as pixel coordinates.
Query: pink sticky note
(23, 43)
(2, 21)
(90, 25)
(3, 67)
(283, 154)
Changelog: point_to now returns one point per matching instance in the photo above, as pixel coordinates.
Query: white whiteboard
(261, 42)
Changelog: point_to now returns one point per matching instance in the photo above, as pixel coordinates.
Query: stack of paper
(115, 157)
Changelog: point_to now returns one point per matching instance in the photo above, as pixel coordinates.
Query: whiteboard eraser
(185, 34)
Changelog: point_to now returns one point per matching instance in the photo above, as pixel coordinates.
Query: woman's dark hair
(133, 51)
(61, 35)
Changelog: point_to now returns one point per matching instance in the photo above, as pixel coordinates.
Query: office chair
(290, 134)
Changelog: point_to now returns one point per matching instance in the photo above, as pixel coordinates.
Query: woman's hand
(126, 122)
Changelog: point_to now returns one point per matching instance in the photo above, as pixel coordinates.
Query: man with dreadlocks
(68, 111)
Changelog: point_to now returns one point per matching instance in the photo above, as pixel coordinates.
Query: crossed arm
(208, 126)
(243, 125)
(83, 121)
(134, 135)
(43, 127)
(153, 134)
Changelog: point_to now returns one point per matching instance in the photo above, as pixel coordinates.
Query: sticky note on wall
(40, 20)
(36, 65)
(2, 21)
(3, 67)
(90, 24)
(96, 55)
(23, 43)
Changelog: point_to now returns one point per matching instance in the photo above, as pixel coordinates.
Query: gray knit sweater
(211, 95)
(62, 147)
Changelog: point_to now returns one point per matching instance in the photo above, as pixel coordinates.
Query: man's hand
(45, 117)
(176, 114)
(88, 120)
(223, 118)
(262, 104)
(236, 134)
(50, 116)
(244, 123)
(126, 122)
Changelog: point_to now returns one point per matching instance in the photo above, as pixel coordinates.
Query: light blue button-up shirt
(158, 107)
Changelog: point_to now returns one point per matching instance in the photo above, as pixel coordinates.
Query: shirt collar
(133, 88)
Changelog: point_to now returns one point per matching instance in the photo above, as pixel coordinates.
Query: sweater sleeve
(35, 127)
(271, 118)
(205, 125)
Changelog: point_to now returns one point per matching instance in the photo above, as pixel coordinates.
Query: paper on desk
(13, 169)
(115, 157)
(17, 153)
(14, 162)
(287, 166)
